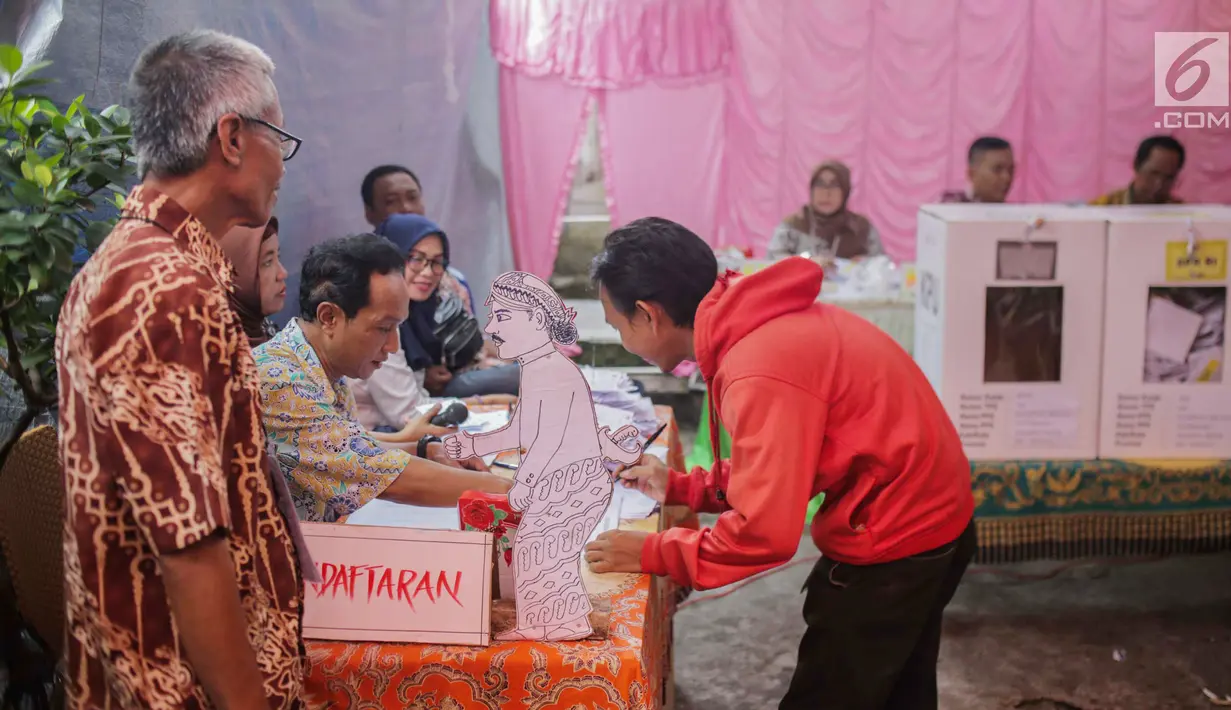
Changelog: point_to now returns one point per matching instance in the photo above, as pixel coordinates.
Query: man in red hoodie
(815, 399)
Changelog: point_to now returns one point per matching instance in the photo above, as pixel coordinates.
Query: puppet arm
(508, 436)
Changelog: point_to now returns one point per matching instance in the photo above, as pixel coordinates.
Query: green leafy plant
(63, 174)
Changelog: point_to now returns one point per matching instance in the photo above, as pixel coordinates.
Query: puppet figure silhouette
(562, 486)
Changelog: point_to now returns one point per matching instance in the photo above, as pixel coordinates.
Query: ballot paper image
(1023, 336)
(1185, 334)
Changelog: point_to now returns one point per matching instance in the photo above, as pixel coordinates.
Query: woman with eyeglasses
(443, 353)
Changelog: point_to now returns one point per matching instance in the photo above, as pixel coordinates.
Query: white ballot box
(1008, 325)
(1166, 393)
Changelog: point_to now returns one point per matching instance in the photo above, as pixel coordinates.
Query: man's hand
(422, 426)
(616, 551)
(439, 453)
(436, 377)
(200, 584)
(650, 476)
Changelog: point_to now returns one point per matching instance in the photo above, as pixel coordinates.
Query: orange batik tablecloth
(629, 670)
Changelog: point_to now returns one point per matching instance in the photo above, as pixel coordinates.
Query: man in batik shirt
(183, 587)
(353, 296)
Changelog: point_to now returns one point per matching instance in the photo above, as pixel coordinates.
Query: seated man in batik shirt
(1156, 166)
(352, 298)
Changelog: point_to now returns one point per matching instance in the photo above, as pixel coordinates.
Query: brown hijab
(245, 254)
(851, 229)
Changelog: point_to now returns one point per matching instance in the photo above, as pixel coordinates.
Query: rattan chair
(32, 532)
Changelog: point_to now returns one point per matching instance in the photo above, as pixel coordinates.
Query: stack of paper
(614, 389)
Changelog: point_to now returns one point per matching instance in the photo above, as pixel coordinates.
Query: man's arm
(200, 584)
(777, 431)
(428, 483)
(701, 490)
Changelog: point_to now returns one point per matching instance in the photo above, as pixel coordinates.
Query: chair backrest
(32, 531)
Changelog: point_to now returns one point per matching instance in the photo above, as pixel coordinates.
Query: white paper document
(1045, 420)
(1170, 329)
(626, 504)
(398, 515)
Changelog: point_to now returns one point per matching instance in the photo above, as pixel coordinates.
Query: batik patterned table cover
(1029, 510)
(630, 670)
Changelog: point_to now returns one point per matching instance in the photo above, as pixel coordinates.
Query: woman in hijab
(260, 278)
(419, 369)
(824, 228)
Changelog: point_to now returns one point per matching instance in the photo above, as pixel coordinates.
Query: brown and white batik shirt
(162, 445)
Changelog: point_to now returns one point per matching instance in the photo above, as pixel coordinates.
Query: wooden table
(629, 670)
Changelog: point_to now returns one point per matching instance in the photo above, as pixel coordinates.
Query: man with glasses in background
(182, 584)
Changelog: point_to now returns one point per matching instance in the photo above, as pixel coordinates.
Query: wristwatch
(423, 444)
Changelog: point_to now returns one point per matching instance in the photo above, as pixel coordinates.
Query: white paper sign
(397, 584)
(1044, 419)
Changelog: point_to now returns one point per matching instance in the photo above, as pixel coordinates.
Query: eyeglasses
(287, 143)
(418, 261)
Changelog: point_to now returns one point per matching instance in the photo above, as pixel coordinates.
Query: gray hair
(182, 85)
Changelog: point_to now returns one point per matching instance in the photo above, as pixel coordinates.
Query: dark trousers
(873, 635)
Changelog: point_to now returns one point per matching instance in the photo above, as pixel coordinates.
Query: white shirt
(389, 397)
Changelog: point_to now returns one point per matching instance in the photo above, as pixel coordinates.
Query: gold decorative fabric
(1100, 508)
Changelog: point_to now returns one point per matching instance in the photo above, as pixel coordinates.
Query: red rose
(508, 557)
(499, 531)
(478, 514)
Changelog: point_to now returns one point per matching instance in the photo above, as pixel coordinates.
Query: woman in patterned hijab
(260, 278)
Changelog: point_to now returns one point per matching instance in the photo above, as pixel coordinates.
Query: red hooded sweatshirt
(815, 399)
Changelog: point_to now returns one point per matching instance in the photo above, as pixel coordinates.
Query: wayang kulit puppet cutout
(562, 487)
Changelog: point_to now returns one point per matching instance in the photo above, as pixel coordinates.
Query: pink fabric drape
(611, 44)
(899, 88)
(541, 120)
(655, 164)
(895, 88)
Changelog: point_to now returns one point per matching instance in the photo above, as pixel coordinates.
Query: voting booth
(1008, 325)
(1165, 390)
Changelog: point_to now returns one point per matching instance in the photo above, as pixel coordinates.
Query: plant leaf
(72, 108)
(10, 58)
(15, 238)
(42, 175)
(27, 193)
(95, 233)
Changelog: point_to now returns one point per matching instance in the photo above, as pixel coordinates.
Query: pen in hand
(648, 443)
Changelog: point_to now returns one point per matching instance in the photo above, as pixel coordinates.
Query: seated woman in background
(260, 278)
(825, 229)
(433, 338)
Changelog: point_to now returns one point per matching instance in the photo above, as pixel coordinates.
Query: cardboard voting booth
(1008, 325)
(1165, 392)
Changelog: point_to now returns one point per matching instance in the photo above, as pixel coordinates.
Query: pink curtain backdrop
(677, 179)
(541, 125)
(611, 44)
(895, 88)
